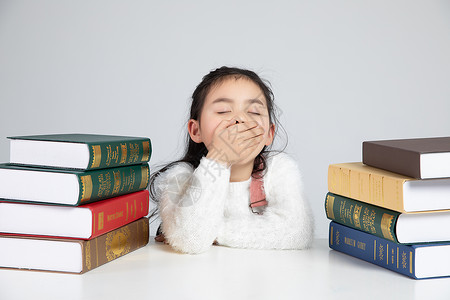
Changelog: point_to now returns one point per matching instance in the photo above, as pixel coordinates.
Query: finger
(252, 133)
(224, 124)
(248, 151)
(255, 140)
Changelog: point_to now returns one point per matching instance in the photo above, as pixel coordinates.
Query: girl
(227, 189)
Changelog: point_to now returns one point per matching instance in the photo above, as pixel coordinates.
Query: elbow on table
(298, 233)
(190, 248)
(304, 239)
(305, 234)
(187, 243)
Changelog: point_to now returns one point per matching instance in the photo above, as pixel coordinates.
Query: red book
(82, 222)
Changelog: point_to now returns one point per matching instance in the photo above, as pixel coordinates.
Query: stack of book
(393, 209)
(72, 202)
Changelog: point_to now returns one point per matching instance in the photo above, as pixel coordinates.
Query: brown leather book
(420, 158)
(71, 255)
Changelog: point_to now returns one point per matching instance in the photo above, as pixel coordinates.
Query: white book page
(37, 186)
(51, 154)
(41, 255)
(432, 261)
(427, 194)
(75, 222)
(435, 165)
(423, 227)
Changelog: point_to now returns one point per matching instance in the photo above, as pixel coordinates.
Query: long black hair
(195, 151)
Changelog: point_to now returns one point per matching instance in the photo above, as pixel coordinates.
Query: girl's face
(240, 98)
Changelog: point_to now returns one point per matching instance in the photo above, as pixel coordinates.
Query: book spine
(395, 257)
(114, 213)
(106, 183)
(377, 189)
(392, 159)
(362, 216)
(114, 244)
(108, 155)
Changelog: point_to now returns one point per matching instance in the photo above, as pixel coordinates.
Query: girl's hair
(195, 151)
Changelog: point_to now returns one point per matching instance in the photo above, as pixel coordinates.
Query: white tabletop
(156, 272)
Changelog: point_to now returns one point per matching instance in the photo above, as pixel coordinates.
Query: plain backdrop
(342, 71)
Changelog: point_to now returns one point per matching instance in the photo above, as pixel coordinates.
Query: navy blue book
(418, 261)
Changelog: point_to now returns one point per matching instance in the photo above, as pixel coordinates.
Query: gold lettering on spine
(114, 216)
(362, 246)
(96, 251)
(392, 256)
(104, 181)
(117, 182)
(87, 255)
(134, 153)
(357, 216)
(386, 224)
(112, 155)
(350, 242)
(410, 262)
(123, 158)
(368, 220)
(146, 232)
(144, 177)
(381, 252)
(96, 156)
(145, 151)
(375, 250)
(387, 254)
(86, 189)
(330, 204)
(397, 257)
(404, 260)
(101, 217)
(127, 212)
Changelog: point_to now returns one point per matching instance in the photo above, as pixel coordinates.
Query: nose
(241, 118)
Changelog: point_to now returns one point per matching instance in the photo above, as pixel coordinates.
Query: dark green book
(79, 151)
(403, 228)
(70, 187)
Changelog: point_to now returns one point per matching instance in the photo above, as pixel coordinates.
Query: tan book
(71, 255)
(389, 190)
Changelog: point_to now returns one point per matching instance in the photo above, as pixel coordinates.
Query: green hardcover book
(70, 187)
(79, 151)
(403, 228)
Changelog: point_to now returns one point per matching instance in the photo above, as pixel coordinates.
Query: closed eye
(254, 113)
(223, 112)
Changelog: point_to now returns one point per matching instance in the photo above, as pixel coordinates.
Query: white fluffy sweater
(198, 207)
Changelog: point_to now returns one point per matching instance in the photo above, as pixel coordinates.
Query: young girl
(228, 189)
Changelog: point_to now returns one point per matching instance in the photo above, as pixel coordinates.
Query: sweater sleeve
(192, 204)
(287, 222)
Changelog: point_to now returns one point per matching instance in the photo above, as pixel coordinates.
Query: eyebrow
(228, 100)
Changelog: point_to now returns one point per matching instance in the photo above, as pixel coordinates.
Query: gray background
(342, 71)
